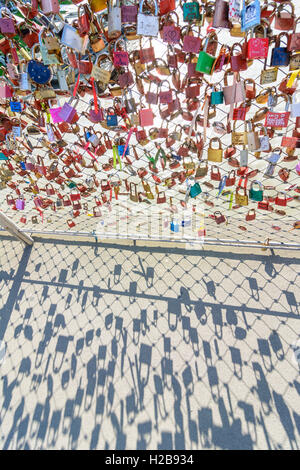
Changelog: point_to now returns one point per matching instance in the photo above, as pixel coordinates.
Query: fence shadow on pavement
(112, 346)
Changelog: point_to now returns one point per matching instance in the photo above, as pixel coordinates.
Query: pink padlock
(298, 168)
(55, 114)
(5, 91)
(50, 7)
(146, 117)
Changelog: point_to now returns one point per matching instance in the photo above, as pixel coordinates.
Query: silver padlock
(270, 170)
(244, 157)
(62, 79)
(114, 20)
(94, 140)
(25, 85)
(50, 133)
(147, 25)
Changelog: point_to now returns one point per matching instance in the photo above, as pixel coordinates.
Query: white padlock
(147, 25)
(114, 20)
(25, 85)
(70, 38)
(62, 80)
(234, 14)
(295, 106)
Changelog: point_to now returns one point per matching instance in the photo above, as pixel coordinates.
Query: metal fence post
(13, 229)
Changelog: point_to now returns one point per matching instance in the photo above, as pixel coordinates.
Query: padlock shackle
(142, 4)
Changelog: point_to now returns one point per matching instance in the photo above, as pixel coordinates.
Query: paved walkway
(121, 347)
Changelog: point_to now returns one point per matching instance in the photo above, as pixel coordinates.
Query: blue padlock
(121, 150)
(174, 227)
(250, 15)
(87, 135)
(280, 55)
(16, 106)
(111, 120)
(186, 223)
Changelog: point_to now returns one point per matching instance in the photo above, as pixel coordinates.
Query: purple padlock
(67, 112)
(298, 168)
(20, 204)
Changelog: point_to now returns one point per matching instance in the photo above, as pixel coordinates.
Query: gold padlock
(236, 31)
(215, 155)
(97, 5)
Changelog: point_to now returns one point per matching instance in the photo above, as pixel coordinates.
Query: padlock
(284, 174)
(221, 13)
(253, 141)
(191, 42)
(294, 39)
(219, 217)
(50, 7)
(72, 39)
(215, 155)
(234, 11)
(97, 5)
(234, 93)
(195, 190)
(5, 91)
(111, 118)
(241, 199)
(230, 180)
(295, 61)
(120, 56)
(174, 226)
(191, 11)
(216, 97)
(68, 113)
(171, 32)
(238, 62)
(263, 205)
(147, 24)
(281, 199)
(250, 16)
(101, 74)
(280, 54)
(258, 47)
(114, 20)
(7, 25)
(279, 119)
(146, 117)
(285, 21)
(251, 214)
(256, 194)
(206, 61)
(38, 72)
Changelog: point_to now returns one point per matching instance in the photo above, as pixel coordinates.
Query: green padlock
(256, 194)
(191, 11)
(205, 61)
(71, 184)
(195, 190)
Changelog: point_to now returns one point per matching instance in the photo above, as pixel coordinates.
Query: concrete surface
(112, 346)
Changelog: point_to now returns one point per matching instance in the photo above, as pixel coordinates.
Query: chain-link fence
(161, 209)
(111, 346)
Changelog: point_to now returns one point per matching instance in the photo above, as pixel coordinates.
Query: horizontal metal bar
(205, 241)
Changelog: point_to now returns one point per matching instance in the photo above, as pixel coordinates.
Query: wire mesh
(180, 217)
(109, 346)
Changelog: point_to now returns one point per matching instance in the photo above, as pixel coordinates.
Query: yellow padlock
(215, 155)
(97, 5)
